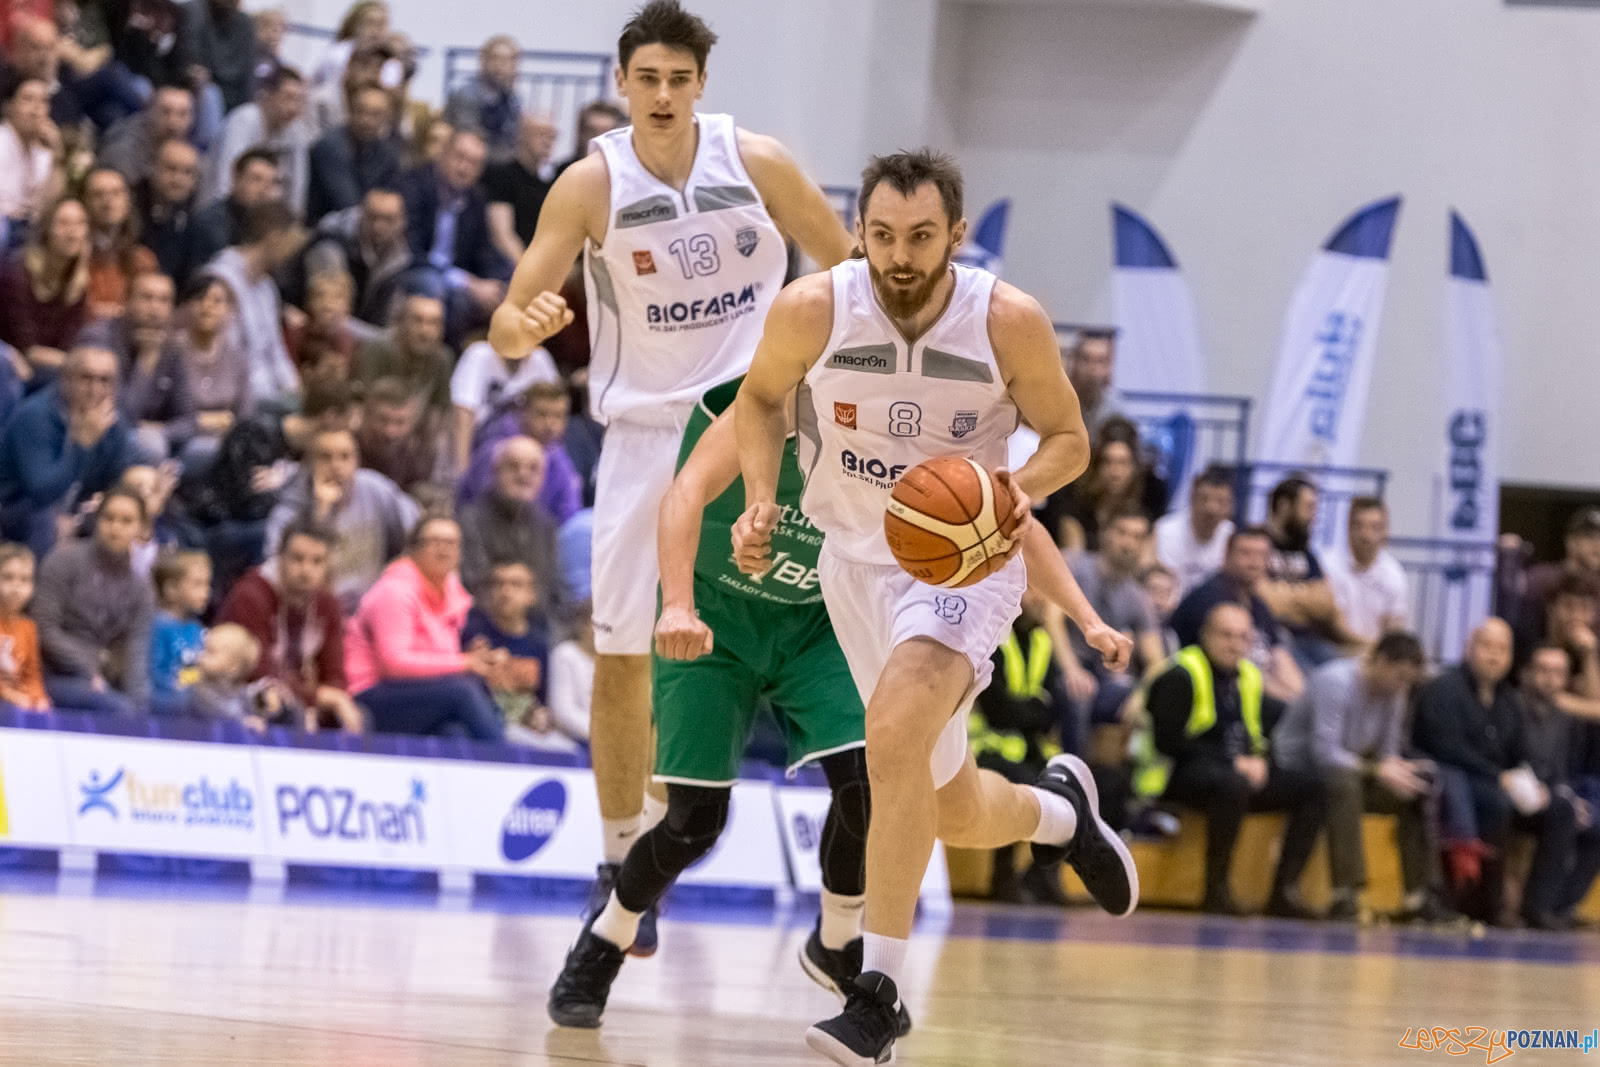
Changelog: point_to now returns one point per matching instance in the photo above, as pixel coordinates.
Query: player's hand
(1114, 646)
(1021, 510)
(545, 316)
(681, 634)
(1253, 769)
(752, 538)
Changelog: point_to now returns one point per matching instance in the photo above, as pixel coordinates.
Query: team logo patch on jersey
(844, 414)
(746, 240)
(644, 262)
(964, 423)
(950, 607)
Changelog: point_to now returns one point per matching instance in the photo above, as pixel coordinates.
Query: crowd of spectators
(1274, 675)
(254, 443)
(258, 462)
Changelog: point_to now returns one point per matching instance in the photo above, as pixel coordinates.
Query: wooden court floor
(93, 976)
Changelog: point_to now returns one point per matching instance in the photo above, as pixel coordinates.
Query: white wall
(1245, 130)
(1247, 139)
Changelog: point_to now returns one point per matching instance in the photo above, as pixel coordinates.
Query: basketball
(949, 522)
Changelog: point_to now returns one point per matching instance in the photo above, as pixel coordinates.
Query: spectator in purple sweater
(545, 408)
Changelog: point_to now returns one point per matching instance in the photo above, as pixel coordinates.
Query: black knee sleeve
(843, 849)
(694, 821)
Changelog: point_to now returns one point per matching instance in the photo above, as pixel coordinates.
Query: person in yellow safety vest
(1017, 724)
(1206, 749)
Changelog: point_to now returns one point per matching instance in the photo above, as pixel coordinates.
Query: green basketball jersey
(795, 543)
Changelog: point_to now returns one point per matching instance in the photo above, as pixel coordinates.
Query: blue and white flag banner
(1470, 447)
(1158, 344)
(985, 245)
(1318, 402)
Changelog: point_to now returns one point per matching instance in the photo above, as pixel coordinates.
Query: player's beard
(903, 302)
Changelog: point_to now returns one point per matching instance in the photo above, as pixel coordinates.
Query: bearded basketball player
(897, 358)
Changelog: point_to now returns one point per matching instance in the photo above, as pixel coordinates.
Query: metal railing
(1452, 587)
(557, 84)
(1336, 487)
(1182, 433)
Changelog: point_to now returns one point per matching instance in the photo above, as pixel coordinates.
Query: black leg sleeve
(695, 818)
(843, 850)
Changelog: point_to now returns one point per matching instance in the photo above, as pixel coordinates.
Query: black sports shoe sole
(1109, 837)
(825, 1043)
(578, 1019)
(822, 978)
(815, 972)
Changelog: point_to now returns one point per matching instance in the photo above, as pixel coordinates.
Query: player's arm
(795, 202)
(1050, 576)
(706, 474)
(534, 309)
(1030, 360)
(796, 332)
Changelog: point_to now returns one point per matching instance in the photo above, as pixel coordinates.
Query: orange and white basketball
(949, 522)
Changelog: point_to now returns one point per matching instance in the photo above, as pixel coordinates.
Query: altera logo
(533, 820)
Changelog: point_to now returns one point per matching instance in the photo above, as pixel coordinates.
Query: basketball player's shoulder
(586, 180)
(765, 157)
(1015, 317)
(802, 314)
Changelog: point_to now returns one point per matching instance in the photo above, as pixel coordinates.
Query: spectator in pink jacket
(402, 648)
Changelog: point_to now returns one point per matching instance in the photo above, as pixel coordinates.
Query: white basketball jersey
(873, 406)
(679, 291)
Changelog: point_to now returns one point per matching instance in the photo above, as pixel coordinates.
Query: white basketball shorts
(636, 468)
(875, 608)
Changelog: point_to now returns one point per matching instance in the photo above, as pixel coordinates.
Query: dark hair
(124, 493)
(1120, 512)
(1365, 503)
(390, 392)
(326, 396)
(1288, 490)
(279, 76)
(414, 536)
(1238, 535)
(172, 566)
(305, 526)
(602, 107)
(1119, 429)
(255, 155)
(665, 22)
(905, 172)
(200, 285)
(1399, 647)
(15, 86)
(1573, 585)
(261, 221)
(1215, 475)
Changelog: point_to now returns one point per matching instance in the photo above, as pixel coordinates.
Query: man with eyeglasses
(65, 444)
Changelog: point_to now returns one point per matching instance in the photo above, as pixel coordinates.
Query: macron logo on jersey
(644, 212)
(871, 359)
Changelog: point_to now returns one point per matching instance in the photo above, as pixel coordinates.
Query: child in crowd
(223, 689)
(154, 485)
(508, 618)
(21, 676)
(183, 587)
(571, 688)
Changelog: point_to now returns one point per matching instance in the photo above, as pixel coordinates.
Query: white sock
(654, 811)
(886, 955)
(619, 834)
(1058, 819)
(616, 924)
(841, 919)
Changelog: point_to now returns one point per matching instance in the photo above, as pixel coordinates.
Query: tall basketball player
(678, 218)
(897, 358)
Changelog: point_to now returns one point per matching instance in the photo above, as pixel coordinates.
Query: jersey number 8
(696, 255)
(905, 419)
